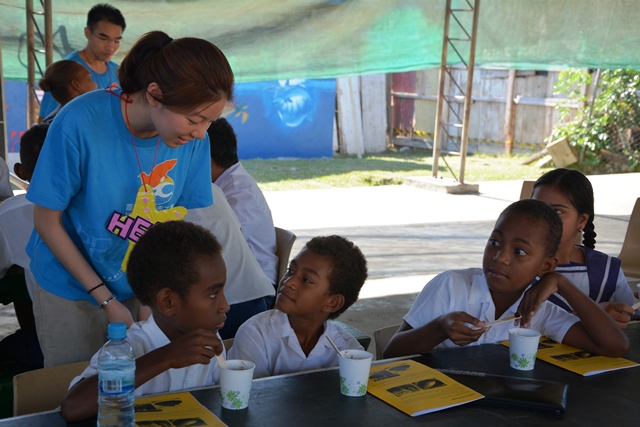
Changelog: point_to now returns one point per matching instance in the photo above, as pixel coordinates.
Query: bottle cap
(117, 331)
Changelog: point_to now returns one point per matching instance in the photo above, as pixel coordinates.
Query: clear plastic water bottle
(116, 380)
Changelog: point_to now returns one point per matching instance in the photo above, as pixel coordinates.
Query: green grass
(388, 168)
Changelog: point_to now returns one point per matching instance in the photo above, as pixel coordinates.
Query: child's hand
(197, 346)
(453, 325)
(536, 295)
(619, 311)
(117, 312)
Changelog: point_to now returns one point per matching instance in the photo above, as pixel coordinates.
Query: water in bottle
(116, 380)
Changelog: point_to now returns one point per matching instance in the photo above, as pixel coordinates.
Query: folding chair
(43, 389)
(382, 337)
(284, 243)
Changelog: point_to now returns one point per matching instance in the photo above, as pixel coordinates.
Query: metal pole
(467, 100)
(48, 32)
(440, 100)
(4, 146)
(31, 99)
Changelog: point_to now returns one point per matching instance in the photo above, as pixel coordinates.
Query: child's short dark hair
(165, 256)
(224, 145)
(31, 143)
(541, 213)
(349, 267)
(105, 12)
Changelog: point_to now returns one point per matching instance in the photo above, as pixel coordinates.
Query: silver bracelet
(108, 300)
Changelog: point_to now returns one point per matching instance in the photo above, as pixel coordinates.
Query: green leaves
(612, 123)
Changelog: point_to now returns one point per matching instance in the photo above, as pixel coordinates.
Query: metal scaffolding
(444, 134)
(34, 54)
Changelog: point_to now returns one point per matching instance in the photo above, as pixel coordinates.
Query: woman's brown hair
(190, 72)
(57, 77)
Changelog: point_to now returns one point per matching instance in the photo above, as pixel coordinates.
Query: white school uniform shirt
(145, 337)
(245, 279)
(467, 290)
(16, 225)
(5, 184)
(251, 209)
(268, 340)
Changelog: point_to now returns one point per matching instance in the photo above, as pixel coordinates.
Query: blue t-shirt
(88, 169)
(110, 77)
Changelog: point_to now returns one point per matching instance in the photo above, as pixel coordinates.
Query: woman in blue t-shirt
(114, 163)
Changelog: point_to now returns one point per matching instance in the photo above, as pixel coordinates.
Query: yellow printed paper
(416, 389)
(173, 410)
(576, 360)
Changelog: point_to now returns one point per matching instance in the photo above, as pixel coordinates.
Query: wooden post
(440, 101)
(464, 143)
(509, 114)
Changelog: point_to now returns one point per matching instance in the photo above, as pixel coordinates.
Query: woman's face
(178, 129)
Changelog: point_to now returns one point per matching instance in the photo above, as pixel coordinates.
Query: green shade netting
(270, 40)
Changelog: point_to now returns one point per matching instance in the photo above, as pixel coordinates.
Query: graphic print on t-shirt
(145, 213)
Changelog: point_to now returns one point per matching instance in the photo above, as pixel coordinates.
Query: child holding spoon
(521, 247)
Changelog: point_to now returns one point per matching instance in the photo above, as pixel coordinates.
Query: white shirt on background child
(268, 340)
(467, 290)
(145, 337)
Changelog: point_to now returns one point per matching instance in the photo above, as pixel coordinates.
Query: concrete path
(410, 234)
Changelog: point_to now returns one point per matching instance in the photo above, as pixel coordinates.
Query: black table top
(314, 399)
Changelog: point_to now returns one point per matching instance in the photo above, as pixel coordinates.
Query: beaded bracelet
(94, 288)
(108, 300)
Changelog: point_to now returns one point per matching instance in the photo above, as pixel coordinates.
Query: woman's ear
(153, 94)
(165, 302)
(334, 303)
(548, 265)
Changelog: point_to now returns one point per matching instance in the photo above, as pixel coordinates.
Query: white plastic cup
(235, 383)
(523, 347)
(354, 372)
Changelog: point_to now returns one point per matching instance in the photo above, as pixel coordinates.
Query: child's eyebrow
(524, 241)
(214, 287)
(311, 271)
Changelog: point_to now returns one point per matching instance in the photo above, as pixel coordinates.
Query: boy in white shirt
(522, 246)
(322, 281)
(177, 269)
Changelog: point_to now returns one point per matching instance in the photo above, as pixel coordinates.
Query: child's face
(514, 254)
(84, 81)
(205, 305)
(572, 221)
(304, 289)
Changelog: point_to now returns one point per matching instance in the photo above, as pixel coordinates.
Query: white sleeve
(623, 291)
(249, 344)
(433, 301)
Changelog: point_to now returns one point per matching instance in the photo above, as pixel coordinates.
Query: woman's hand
(117, 312)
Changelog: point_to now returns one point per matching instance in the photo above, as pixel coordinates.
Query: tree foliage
(610, 127)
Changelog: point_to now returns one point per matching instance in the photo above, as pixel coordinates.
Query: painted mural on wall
(287, 118)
